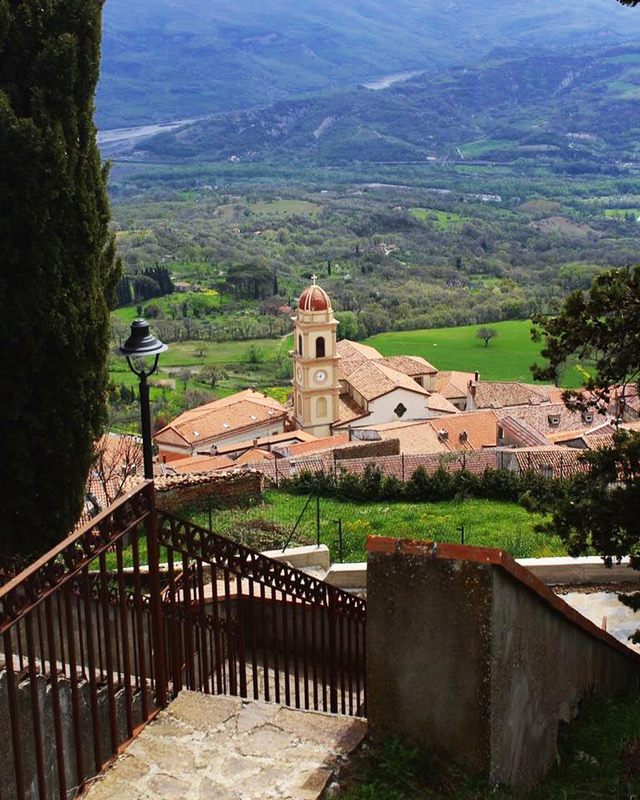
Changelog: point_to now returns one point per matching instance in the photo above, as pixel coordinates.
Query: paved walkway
(205, 747)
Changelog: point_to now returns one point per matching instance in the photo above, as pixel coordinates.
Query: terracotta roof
(524, 433)
(414, 437)
(605, 429)
(320, 445)
(436, 402)
(348, 409)
(242, 410)
(373, 379)
(200, 464)
(346, 366)
(549, 417)
(410, 365)
(253, 455)
(264, 441)
(453, 384)
(348, 349)
(314, 298)
(497, 394)
(557, 462)
(479, 427)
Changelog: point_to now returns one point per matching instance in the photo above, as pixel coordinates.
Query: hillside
(577, 106)
(170, 59)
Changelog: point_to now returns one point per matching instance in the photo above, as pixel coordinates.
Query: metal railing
(93, 644)
(288, 637)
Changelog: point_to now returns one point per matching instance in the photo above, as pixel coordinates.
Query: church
(337, 385)
(344, 384)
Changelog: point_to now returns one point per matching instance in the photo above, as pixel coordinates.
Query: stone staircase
(206, 747)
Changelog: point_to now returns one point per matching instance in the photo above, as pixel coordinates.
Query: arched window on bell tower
(299, 344)
(320, 347)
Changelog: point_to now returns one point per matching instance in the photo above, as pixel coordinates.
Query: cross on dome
(314, 278)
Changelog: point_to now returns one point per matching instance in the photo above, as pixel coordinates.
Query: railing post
(332, 619)
(155, 599)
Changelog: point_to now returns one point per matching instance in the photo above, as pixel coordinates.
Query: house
(498, 394)
(241, 416)
(453, 385)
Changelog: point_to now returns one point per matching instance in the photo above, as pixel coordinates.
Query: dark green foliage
(602, 324)
(529, 488)
(602, 508)
(58, 266)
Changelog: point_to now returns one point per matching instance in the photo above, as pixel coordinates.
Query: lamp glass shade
(141, 342)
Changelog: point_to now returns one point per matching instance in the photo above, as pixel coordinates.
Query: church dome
(314, 298)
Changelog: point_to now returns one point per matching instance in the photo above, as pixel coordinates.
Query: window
(320, 347)
(321, 407)
(299, 345)
(400, 410)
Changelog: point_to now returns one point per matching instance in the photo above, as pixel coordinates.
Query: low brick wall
(206, 489)
(470, 654)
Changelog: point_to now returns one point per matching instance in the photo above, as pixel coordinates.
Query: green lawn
(441, 219)
(480, 146)
(196, 353)
(486, 522)
(210, 299)
(621, 213)
(507, 358)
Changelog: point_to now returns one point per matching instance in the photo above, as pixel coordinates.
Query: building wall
(485, 660)
(204, 490)
(170, 452)
(382, 408)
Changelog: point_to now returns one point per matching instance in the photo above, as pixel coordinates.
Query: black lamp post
(142, 343)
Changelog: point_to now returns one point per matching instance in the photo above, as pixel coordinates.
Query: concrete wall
(485, 661)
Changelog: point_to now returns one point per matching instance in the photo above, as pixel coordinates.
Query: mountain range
(578, 106)
(173, 59)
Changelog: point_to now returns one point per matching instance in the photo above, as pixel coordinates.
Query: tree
(601, 326)
(212, 374)
(601, 508)
(486, 334)
(59, 269)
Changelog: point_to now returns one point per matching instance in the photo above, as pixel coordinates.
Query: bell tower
(315, 368)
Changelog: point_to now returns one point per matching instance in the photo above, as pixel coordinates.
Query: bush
(534, 491)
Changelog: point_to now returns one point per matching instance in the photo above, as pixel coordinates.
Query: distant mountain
(173, 59)
(576, 106)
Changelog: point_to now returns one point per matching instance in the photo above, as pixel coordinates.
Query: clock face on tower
(320, 376)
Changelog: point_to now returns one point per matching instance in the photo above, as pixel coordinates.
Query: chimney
(476, 376)
(443, 434)
(350, 434)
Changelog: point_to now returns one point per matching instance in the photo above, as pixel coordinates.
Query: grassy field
(486, 522)
(210, 298)
(268, 525)
(508, 356)
(441, 219)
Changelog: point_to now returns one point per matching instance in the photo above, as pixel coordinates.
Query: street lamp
(142, 343)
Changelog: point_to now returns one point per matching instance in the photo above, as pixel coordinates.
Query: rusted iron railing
(82, 665)
(287, 636)
(94, 641)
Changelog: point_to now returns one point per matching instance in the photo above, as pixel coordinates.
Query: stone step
(215, 747)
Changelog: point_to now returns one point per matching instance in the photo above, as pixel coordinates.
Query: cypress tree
(58, 269)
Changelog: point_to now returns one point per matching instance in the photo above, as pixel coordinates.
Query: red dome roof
(314, 298)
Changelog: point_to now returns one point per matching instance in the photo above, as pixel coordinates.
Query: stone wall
(173, 493)
(370, 450)
(470, 654)
(27, 748)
